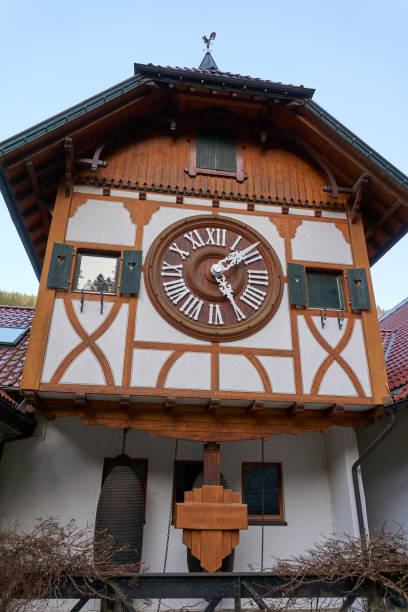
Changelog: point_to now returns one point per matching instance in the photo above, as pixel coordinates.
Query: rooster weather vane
(208, 41)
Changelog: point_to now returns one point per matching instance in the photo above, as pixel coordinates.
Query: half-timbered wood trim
(45, 299)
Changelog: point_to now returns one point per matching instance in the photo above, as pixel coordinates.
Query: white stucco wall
(61, 475)
(385, 474)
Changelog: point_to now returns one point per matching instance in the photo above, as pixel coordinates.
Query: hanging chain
(170, 518)
(125, 432)
(263, 503)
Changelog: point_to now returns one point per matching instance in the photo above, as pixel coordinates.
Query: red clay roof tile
(12, 357)
(394, 332)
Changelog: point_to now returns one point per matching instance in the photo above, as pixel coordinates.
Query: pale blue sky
(55, 54)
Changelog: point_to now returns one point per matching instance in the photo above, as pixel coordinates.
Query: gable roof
(33, 161)
(394, 332)
(12, 357)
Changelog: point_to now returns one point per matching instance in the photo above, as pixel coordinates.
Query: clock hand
(232, 259)
(227, 291)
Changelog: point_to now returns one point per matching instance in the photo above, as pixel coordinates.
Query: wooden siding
(159, 161)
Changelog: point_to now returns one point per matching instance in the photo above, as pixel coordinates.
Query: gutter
(18, 223)
(391, 411)
(361, 146)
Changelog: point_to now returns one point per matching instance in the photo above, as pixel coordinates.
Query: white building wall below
(61, 474)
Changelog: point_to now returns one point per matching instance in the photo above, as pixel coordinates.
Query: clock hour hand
(227, 291)
(235, 258)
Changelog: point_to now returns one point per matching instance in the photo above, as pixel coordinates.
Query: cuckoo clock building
(203, 242)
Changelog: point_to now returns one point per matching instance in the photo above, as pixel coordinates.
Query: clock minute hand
(235, 257)
(227, 291)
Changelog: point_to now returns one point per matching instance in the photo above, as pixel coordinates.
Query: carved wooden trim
(165, 369)
(88, 341)
(334, 355)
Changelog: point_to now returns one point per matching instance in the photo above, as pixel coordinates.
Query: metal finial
(208, 41)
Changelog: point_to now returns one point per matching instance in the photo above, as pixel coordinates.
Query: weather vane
(209, 40)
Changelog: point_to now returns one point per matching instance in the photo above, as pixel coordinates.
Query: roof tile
(12, 357)
(394, 332)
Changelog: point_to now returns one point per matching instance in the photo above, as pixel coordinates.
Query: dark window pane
(253, 489)
(96, 273)
(324, 290)
(216, 152)
(184, 477)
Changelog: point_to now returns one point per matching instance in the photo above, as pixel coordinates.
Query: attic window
(216, 153)
(325, 289)
(11, 336)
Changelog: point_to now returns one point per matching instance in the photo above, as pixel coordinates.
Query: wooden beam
(213, 405)
(333, 410)
(80, 400)
(69, 165)
(211, 464)
(255, 406)
(169, 404)
(349, 157)
(374, 412)
(378, 224)
(42, 208)
(294, 409)
(125, 401)
(357, 192)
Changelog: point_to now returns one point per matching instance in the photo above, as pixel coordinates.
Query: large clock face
(213, 277)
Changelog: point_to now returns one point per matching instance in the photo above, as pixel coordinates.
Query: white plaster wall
(103, 222)
(61, 476)
(356, 357)
(342, 452)
(276, 334)
(84, 370)
(113, 343)
(385, 473)
(281, 373)
(146, 366)
(91, 318)
(317, 241)
(62, 338)
(190, 371)
(150, 325)
(336, 382)
(311, 354)
(238, 374)
(267, 228)
(160, 220)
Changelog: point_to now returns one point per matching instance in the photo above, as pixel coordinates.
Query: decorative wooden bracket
(357, 192)
(213, 405)
(255, 406)
(295, 409)
(211, 518)
(333, 410)
(169, 404)
(378, 224)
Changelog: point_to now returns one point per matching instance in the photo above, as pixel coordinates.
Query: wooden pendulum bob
(211, 516)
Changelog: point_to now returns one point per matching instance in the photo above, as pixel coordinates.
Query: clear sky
(354, 52)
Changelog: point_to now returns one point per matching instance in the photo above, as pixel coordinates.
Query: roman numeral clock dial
(213, 278)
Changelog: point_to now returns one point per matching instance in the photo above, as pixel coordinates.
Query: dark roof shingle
(12, 357)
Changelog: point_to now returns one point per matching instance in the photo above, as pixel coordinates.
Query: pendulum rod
(211, 464)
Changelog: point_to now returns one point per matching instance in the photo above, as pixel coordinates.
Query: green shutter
(205, 151)
(358, 288)
(131, 270)
(216, 152)
(225, 154)
(297, 284)
(60, 266)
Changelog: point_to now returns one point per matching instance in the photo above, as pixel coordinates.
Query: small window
(325, 289)
(139, 466)
(96, 273)
(185, 473)
(11, 336)
(272, 490)
(216, 152)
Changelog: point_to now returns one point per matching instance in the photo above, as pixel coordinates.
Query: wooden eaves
(33, 162)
